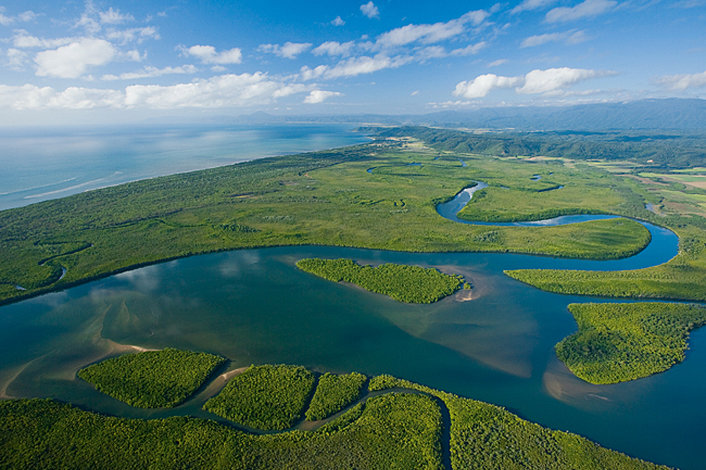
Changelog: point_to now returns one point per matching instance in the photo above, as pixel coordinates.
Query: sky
(127, 60)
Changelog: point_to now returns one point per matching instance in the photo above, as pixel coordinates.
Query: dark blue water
(50, 163)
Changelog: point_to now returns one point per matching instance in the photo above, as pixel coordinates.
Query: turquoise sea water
(52, 163)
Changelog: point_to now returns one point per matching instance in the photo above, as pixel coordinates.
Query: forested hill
(664, 150)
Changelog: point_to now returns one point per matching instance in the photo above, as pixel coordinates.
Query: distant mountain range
(664, 114)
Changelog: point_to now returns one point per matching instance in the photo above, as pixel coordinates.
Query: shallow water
(52, 163)
(255, 306)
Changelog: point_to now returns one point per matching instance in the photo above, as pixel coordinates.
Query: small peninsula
(622, 342)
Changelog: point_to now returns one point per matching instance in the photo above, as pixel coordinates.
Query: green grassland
(411, 427)
(295, 200)
(410, 284)
(621, 342)
(588, 188)
(152, 379)
(682, 278)
(334, 393)
(269, 397)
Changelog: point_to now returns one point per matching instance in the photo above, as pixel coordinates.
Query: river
(254, 306)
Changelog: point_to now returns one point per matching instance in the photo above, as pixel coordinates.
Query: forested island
(410, 284)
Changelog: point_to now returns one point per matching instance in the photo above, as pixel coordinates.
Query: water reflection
(254, 306)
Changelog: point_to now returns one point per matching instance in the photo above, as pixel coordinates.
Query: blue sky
(121, 60)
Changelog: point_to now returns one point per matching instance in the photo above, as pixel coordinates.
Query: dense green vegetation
(401, 429)
(152, 379)
(675, 150)
(296, 200)
(269, 397)
(620, 342)
(334, 393)
(390, 431)
(486, 436)
(411, 284)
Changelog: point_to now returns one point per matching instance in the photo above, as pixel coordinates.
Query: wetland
(254, 306)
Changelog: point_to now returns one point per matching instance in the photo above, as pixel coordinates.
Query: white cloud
(527, 5)
(551, 80)
(364, 65)
(683, 81)
(22, 39)
(585, 9)
(208, 55)
(72, 60)
(334, 48)
(16, 58)
(370, 10)
(471, 49)
(133, 55)
(34, 97)
(219, 91)
(149, 72)
(114, 17)
(414, 93)
(483, 84)
(319, 96)
(25, 17)
(430, 52)
(568, 37)
(88, 20)
(497, 63)
(548, 81)
(288, 50)
(430, 33)
(215, 92)
(337, 21)
(306, 73)
(133, 34)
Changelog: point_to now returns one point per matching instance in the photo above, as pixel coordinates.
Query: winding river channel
(254, 306)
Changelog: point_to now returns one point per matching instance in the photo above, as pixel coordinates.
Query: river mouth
(255, 306)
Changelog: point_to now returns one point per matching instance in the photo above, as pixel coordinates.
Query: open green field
(296, 200)
(410, 284)
(621, 342)
(152, 379)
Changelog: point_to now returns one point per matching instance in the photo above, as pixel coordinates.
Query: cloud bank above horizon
(351, 56)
